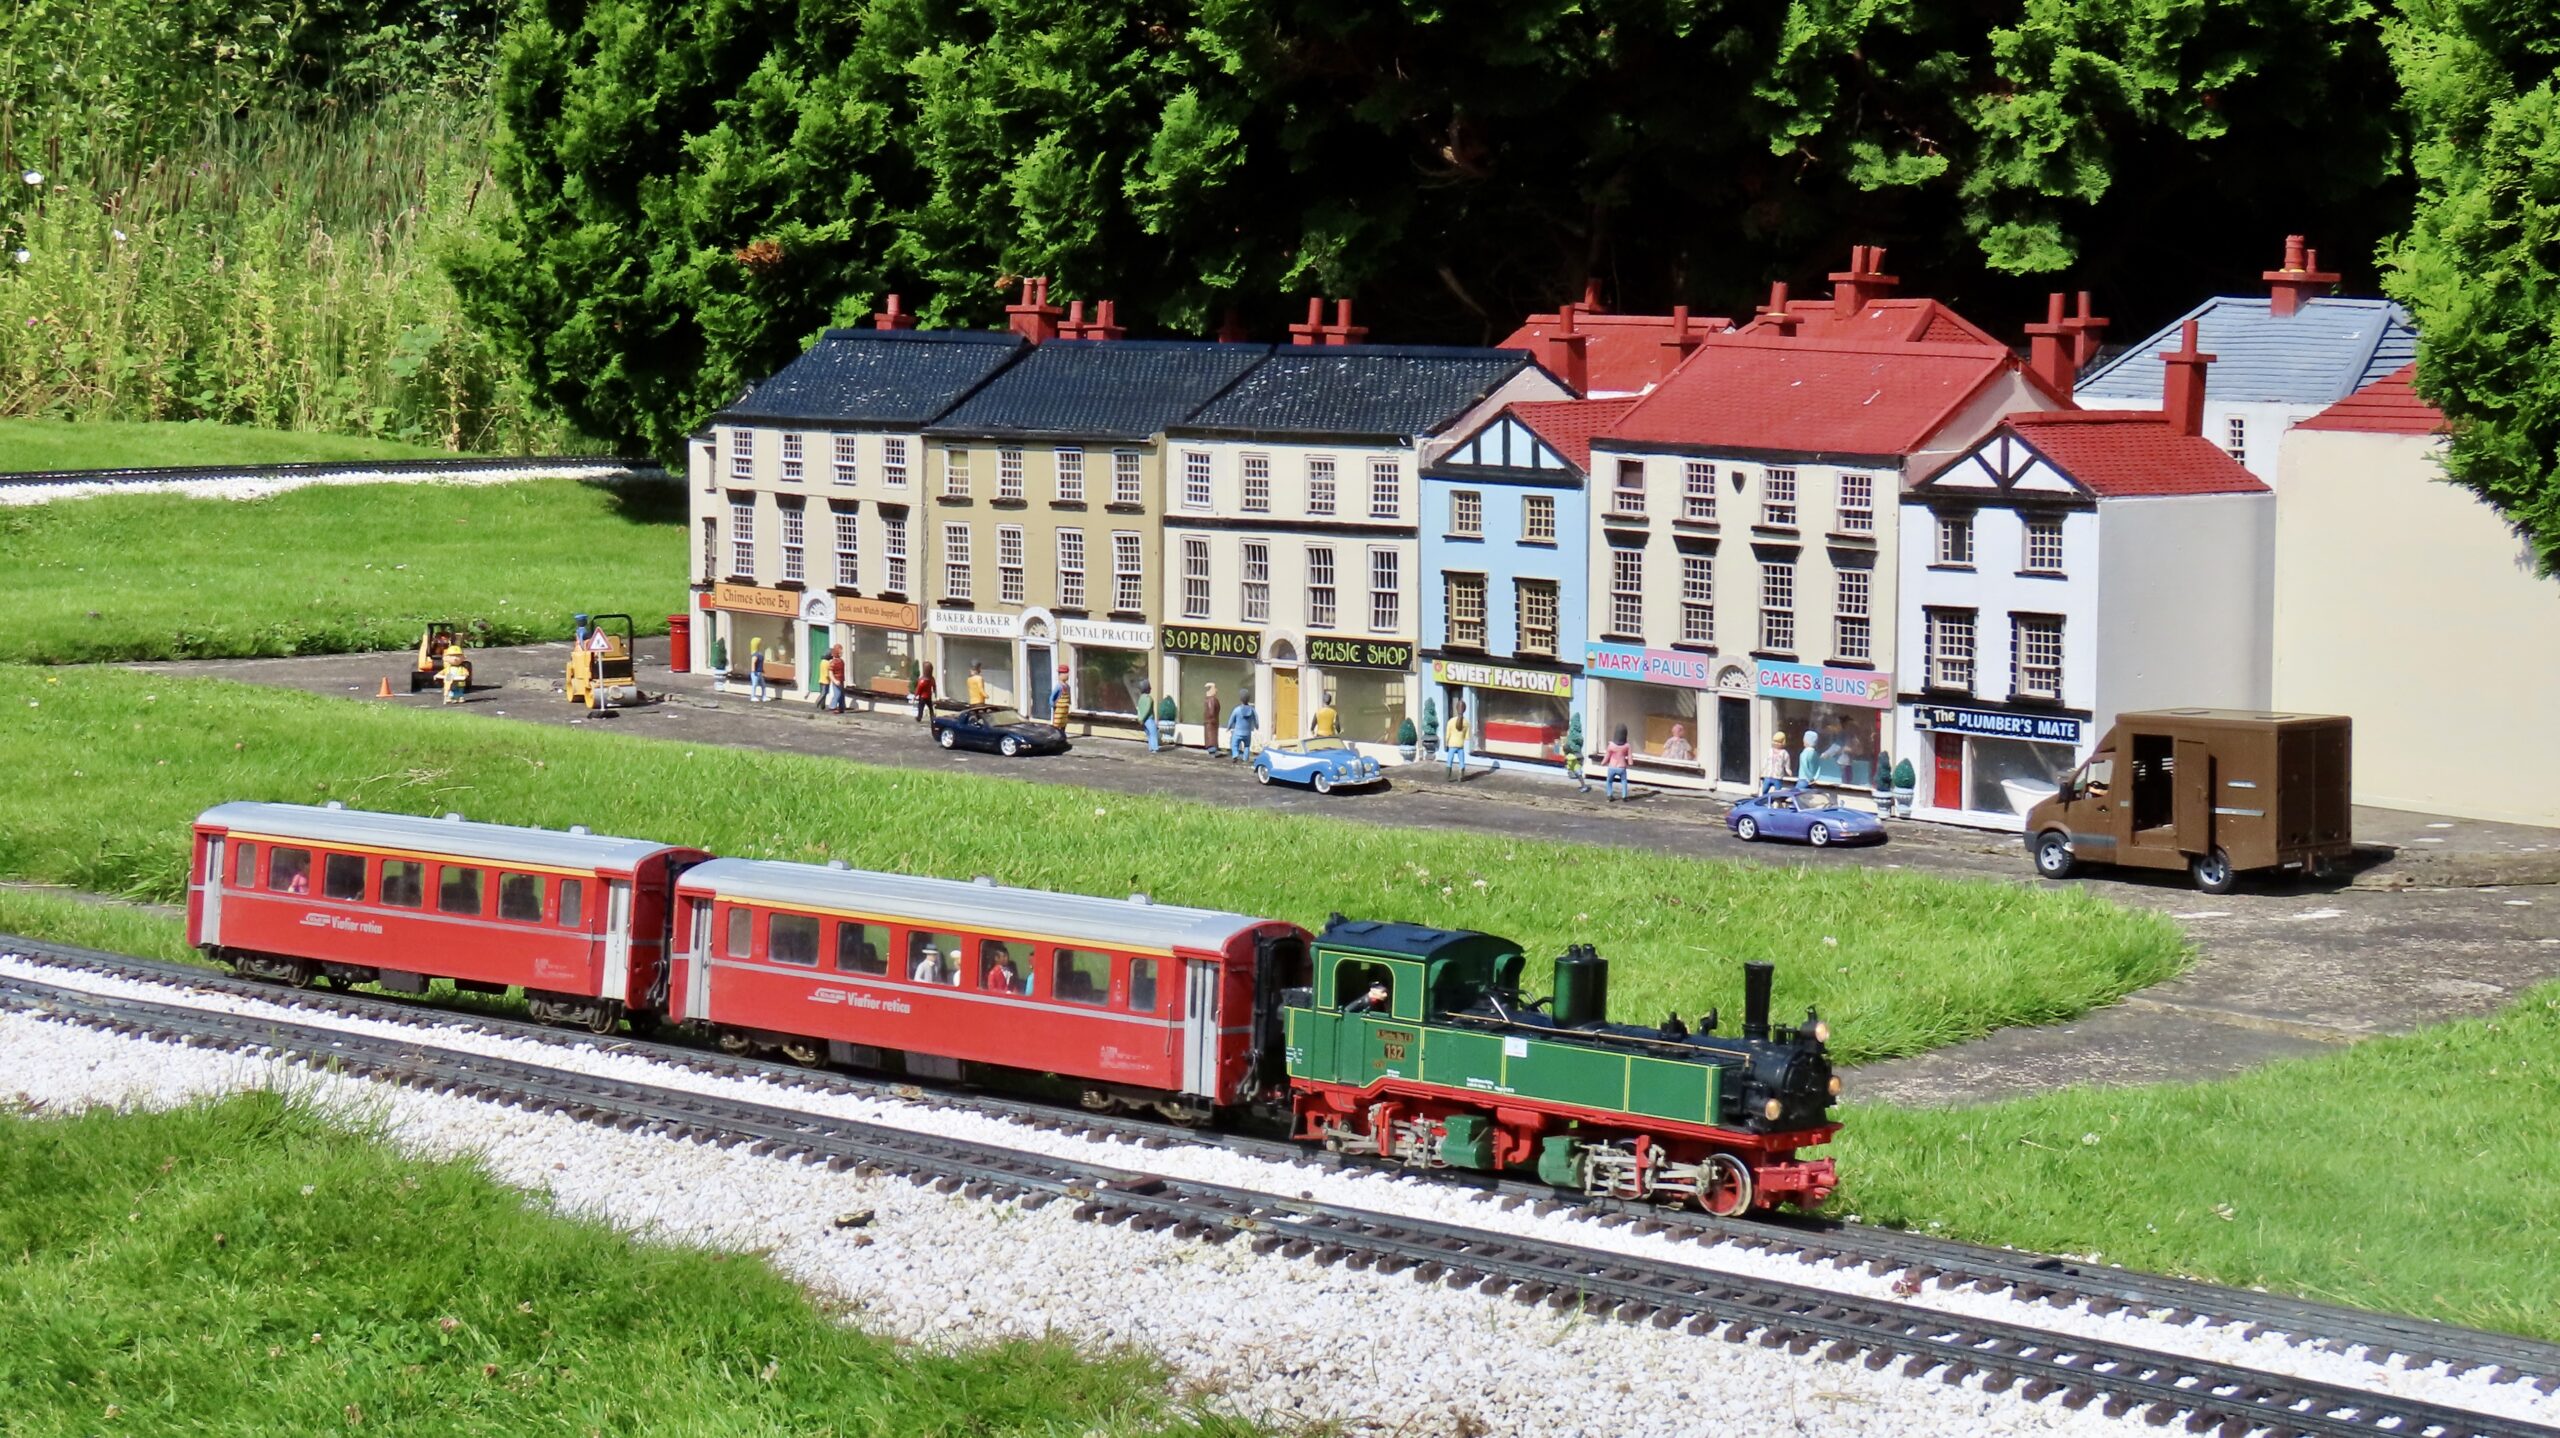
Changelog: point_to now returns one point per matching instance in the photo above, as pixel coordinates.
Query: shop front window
(995, 654)
(1234, 678)
(1527, 725)
(1371, 705)
(1107, 679)
(1844, 741)
(2010, 776)
(1662, 723)
(881, 661)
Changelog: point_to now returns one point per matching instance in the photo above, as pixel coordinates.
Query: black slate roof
(1102, 389)
(884, 377)
(1385, 391)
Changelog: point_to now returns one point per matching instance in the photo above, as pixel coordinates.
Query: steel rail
(2377, 1337)
(565, 465)
(2231, 1398)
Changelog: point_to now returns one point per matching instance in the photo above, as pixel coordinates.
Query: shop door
(816, 668)
(1039, 687)
(1284, 705)
(1733, 740)
(1950, 787)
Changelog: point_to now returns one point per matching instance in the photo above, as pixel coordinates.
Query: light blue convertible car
(1328, 764)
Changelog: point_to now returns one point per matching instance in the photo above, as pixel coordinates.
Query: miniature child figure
(455, 676)
(1059, 706)
(924, 695)
(1147, 716)
(1240, 731)
(1615, 759)
(1776, 763)
(1676, 748)
(755, 671)
(1328, 720)
(1169, 719)
(1209, 736)
(835, 678)
(1453, 744)
(977, 683)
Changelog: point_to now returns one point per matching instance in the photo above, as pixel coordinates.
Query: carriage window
(573, 903)
(342, 876)
(520, 897)
(933, 958)
(244, 875)
(458, 890)
(404, 883)
(792, 939)
(862, 949)
(1142, 985)
(1082, 976)
(289, 871)
(742, 943)
(1004, 968)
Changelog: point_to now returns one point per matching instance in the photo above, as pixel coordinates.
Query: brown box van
(2217, 792)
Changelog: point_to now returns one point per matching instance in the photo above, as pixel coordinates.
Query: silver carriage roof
(1119, 923)
(496, 843)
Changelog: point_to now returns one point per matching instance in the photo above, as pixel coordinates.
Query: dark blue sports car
(1004, 731)
(1815, 816)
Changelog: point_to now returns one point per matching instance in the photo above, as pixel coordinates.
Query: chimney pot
(2052, 349)
(1343, 331)
(1591, 297)
(1680, 342)
(1231, 330)
(1312, 330)
(2301, 279)
(893, 316)
(2085, 328)
(1568, 352)
(1864, 282)
(2182, 383)
(1035, 319)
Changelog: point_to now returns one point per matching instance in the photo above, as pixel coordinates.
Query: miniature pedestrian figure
(1809, 755)
(835, 678)
(1328, 719)
(1453, 742)
(1210, 737)
(455, 676)
(1374, 1001)
(1059, 706)
(924, 695)
(1676, 748)
(1615, 759)
(1776, 763)
(1169, 720)
(977, 684)
(1240, 731)
(755, 671)
(1147, 716)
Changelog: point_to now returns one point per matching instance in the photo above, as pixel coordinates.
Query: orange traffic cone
(385, 691)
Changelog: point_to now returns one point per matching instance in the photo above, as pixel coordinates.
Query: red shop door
(1950, 791)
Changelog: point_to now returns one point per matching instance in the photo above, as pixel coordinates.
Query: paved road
(2283, 969)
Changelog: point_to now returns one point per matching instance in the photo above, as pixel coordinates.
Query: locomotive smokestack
(1755, 1000)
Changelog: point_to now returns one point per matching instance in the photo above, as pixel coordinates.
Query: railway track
(1918, 1260)
(562, 466)
(2075, 1371)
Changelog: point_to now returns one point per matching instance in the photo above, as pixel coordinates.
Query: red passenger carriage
(578, 920)
(1138, 1003)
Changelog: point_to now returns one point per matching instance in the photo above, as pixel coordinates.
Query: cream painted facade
(853, 494)
(1739, 601)
(2409, 604)
(1041, 553)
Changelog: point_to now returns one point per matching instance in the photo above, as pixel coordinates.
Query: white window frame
(1950, 650)
(1070, 461)
(1853, 615)
(1697, 598)
(1698, 492)
(1955, 541)
(848, 549)
(1535, 606)
(1128, 477)
(2043, 526)
(1626, 590)
(958, 582)
(1009, 474)
(1466, 514)
(1386, 489)
(1128, 571)
(1322, 493)
(2027, 634)
(1199, 488)
(1195, 577)
(893, 552)
(1256, 492)
(2236, 431)
(742, 537)
(1386, 590)
(1009, 564)
(1538, 518)
(1624, 498)
(893, 461)
(847, 454)
(1324, 597)
(1257, 581)
(795, 542)
(1857, 504)
(1778, 607)
(955, 472)
(710, 548)
(794, 455)
(1464, 596)
(742, 454)
(1070, 569)
(1778, 499)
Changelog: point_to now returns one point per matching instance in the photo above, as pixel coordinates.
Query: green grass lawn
(114, 765)
(245, 1268)
(2414, 1174)
(42, 444)
(332, 568)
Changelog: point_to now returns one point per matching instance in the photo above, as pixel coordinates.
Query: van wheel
(2053, 855)
(2212, 872)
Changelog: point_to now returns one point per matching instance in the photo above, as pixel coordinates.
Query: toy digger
(600, 664)
(440, 636)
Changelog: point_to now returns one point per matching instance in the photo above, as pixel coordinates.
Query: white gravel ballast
(1272, 1339)
(1387, 1193)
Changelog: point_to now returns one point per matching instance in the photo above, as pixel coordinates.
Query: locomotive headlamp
(1822, 1031)
(1773, 1108)
(1835, 1085)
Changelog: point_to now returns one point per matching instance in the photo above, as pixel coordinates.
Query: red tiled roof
(1569, 424)
(2124, 453)
(2389, 405)
(1884, 321)
(1764, 392)
(1627, 353)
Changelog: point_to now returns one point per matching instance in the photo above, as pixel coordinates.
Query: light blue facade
(1519, 702)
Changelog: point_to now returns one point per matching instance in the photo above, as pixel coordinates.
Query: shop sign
(1104, 635)
(1821, 684)
(879, 614)
(748, 599)
(971, 623)
(1629, 664)
(1211, 643)
(1327, 653)
(1469, 674)
(1986, 724)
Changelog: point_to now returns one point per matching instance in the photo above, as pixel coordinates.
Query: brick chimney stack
(1568, 352)
(1682, 339)
(2085, 328)
(1342, 331)
(1035, 319)
(2051, 350)
(1103, 326)
(1072, 327)
(893, 316)
(1863, 282)
(2182, 383)
(1312, 330)
(1231, 330)
(1780, 318)
(2300, 279)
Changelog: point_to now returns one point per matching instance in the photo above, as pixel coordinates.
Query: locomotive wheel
(2054, 858)
(1819, 836)
(733, 1043)
(805, 1052)
(1725, 1187)
(1746, 828)
(2213, 872)
(302, 975)
(602, 1019)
